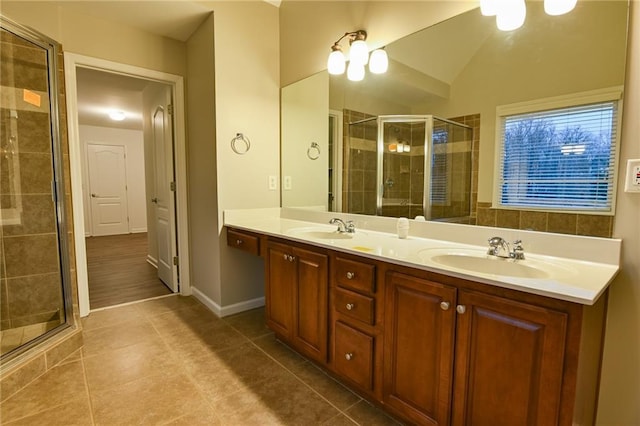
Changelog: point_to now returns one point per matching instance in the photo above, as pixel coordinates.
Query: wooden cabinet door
(279, 289)
(310, 300)
(509, 362)
(418, 348)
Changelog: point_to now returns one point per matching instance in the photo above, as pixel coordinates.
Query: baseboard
(138, 230)
(153, 261)
(225, 311)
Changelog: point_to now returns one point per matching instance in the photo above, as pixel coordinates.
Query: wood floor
(119, 272)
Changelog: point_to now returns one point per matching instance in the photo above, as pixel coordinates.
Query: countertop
(581, 278)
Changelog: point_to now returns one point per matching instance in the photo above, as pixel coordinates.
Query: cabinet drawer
(353, 355)
(354, 275)
(243, 241)
(355, 305)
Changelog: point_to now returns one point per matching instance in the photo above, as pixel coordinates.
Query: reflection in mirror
(460, 71)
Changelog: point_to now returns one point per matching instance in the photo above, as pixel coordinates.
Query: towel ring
(313, 152)
(243, 149)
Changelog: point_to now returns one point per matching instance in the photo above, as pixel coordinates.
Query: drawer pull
(351, 275)
(444, 306)
(461, 309)
(348, 356)
(350, 306)
(239, 242)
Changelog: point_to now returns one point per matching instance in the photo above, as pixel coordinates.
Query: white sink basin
(479, 262)
(321, 233)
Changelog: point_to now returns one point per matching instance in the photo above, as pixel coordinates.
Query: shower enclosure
(408, 165)
(34, 265)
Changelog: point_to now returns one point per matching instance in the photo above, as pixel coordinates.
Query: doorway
(162, 224)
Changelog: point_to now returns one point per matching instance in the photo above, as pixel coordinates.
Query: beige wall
(620, 382)
(201, 131)
(248, 102)
(233, 87)
(99, 38)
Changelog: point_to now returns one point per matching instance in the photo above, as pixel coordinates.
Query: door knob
(94, 195)
(154, 200)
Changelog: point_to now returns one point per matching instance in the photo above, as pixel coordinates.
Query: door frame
(73, 61)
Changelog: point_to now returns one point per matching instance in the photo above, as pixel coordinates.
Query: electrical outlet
(287, 183)
(273, 183)
(632, 181)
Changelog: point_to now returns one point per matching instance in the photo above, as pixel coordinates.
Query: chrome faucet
(499, 247)
(343, 227)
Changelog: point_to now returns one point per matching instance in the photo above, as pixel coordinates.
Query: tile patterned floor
(170, 361)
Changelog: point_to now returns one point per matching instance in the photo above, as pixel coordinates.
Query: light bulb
(359, 52)
(511, 15)
(378, 62)
(407, 147)
(336, 62)
(559, 7)
(393, 147)
(400, 147)
(355, 71)
(117, 115)
(489, 7)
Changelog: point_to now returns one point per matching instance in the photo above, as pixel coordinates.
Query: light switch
(287, 183)
(632, 180)
(273, 183)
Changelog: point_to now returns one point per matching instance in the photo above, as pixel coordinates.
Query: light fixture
(559, 7)
(511, 15)
(489, 7)
(117, 115)
(355, 71)
(379, 61)
(358, 57)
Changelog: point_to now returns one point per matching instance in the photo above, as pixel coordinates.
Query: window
(559, 154)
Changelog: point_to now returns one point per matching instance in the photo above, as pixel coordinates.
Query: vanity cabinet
(509, 361)
(431, 348)
(355, 337)
(296, 297)
(419, 348)
(455, 355)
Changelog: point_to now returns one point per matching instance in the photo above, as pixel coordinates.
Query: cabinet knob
(444, 306)
(351, 275)
(461, 309)
(286, 257)
(348, 356)
(292, 258)
(239, 242)
(350, 306)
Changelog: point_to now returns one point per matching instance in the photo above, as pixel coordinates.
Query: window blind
(559, 159)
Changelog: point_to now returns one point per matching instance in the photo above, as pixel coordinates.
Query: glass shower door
(32, 232)
(402, 146)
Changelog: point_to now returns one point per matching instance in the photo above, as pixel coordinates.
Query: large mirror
(443, 82)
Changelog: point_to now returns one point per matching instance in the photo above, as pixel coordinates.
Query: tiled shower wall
(31, 290)
(359, 158)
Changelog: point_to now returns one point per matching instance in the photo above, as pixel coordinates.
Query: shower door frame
(50, 46)
(428, 132)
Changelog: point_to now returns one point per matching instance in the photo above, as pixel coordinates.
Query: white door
(163, 199)
(108, 189)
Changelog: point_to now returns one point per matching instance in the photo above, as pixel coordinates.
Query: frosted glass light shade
(359, 52)
(355, 71)
(559, 7)
(336, 63)
(117, 115)
(378, 62)
(511, 15)
(489, 7)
